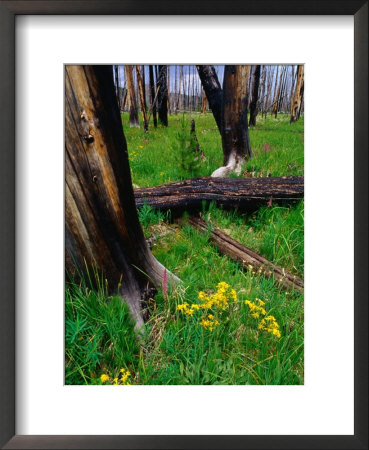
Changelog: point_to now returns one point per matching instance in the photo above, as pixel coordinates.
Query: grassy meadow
(223, 325)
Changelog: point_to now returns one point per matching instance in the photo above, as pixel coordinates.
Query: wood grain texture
(244, 193)
(247, 258)
(102, 226)
(235, 135)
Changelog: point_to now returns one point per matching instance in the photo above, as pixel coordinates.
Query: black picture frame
(8, 12)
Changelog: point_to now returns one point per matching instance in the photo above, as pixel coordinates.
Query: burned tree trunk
(133, 113)
(299, 92)
(142, 98)
(144, 85)
(244, 193)
(269, 90)
(255, 94)
(292, 86)
(163, 96)
(102, 226)
(195, 146)
(152, 95)
(168, 90)
(229, 107)
(247, 258)
(213, 91)
(235, 134)
(277, 96)
(203, 101)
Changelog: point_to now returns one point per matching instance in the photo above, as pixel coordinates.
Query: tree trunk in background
(152, 95)
(163, 96)
(102, 226)
(283, 88)
(292, 86)
(276, 97)
(168, 90)
(180, 98)
(175, 96)
(299, 91)
(262, 90)
(269, 90)
(188, 88)
(248, 89)
(213, 91)
(255, 92)
(235, 135)
(274, 93)
(203, 101)
(133, 113)
(144, 85)
(142, 98)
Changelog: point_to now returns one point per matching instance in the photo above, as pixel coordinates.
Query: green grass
(175, 348)
(277, 145)
(99, 334)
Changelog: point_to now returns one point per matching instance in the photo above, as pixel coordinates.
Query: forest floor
(251, 331)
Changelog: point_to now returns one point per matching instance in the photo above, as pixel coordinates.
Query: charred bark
(152, 95)
(277, 96)
(195, 143)
(299, 92)
(144, 85)
(163, 96)
(255, 96)
(213, 91)
(133, 112)
(102, 226)
(235, 134)
(244, 193)
(142, 98)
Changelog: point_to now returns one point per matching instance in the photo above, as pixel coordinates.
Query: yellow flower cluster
(123, 379)
(209, 323)
(268, 323)
(256, 308)
(104, 378)
(186, 309)
(218, 301)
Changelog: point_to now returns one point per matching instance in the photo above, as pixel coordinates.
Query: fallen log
(247, 258)
(244, 193)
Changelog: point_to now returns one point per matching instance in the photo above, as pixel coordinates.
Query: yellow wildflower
(125, 375)
(209, 324)
(270, 325)
(115, 381)
(202, 295)
(104, 378)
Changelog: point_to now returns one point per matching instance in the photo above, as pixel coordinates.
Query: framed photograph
(263, 350)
